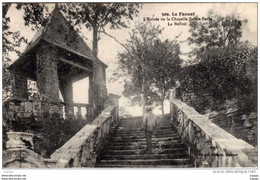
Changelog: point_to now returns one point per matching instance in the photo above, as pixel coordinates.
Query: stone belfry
(56, 57)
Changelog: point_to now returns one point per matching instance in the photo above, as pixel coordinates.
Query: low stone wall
(210, 145)
(83, 149)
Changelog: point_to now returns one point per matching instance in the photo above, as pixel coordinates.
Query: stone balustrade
(26, 108)
(79, 110)
(210, 145)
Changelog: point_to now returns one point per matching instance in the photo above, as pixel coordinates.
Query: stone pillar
(172, 96)
(98, 89)
(90, 89)
(47, 74)
(66, 87)
(18, 84)
(114, 99)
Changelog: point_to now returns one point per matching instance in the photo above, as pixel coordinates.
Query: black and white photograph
(129, 85)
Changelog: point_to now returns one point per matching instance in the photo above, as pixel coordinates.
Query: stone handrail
(83, 148)
(210, 145)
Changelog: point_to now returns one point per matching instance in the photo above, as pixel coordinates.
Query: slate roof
(61, 33)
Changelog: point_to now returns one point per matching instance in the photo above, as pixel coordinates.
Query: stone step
(127, 152)
(126, 131)
(141, 118)
(139, 146)
(138, 125)
(127, 148)
(140, 121)
(147, 156)
(120, 134)
(129, 137)
(144, 140)
(142, 166)
(122, 143)
(157, 131)
(183, 161)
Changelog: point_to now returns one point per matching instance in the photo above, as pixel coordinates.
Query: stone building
(55, 58)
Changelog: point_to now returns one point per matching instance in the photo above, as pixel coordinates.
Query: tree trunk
(95, 91)
(162, 101)
(143, 97)
(162, 106)
(95, 41)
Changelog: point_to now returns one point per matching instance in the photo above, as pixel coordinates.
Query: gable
(60, 32)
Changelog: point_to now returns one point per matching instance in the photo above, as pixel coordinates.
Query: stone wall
(240, 125)
(82, 150)
(210, 145)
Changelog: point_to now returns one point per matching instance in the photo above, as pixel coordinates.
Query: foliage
(35, 14)
(150, 64)
(11, 42)
(218, 32)
(97, 16)
(225, 74)
(166, 64)
(50, 131)
(135, 61)
(226, 68)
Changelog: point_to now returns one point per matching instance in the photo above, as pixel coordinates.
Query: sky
(108, 48)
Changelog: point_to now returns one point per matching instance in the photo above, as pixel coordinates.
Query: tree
(166, 65)
(97, 16)
(150, 64)
(218, 32)
(135, 62)
(224, 63)
(226, 74)
(35, 14)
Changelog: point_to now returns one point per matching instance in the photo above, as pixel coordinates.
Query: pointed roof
(61, 33)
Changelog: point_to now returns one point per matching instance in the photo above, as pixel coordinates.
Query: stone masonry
(47, 74)
(210, 145)
(18, 84)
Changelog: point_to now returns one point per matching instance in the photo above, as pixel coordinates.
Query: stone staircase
(127, 147)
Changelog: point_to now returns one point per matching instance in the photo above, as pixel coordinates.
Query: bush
(50, 131)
